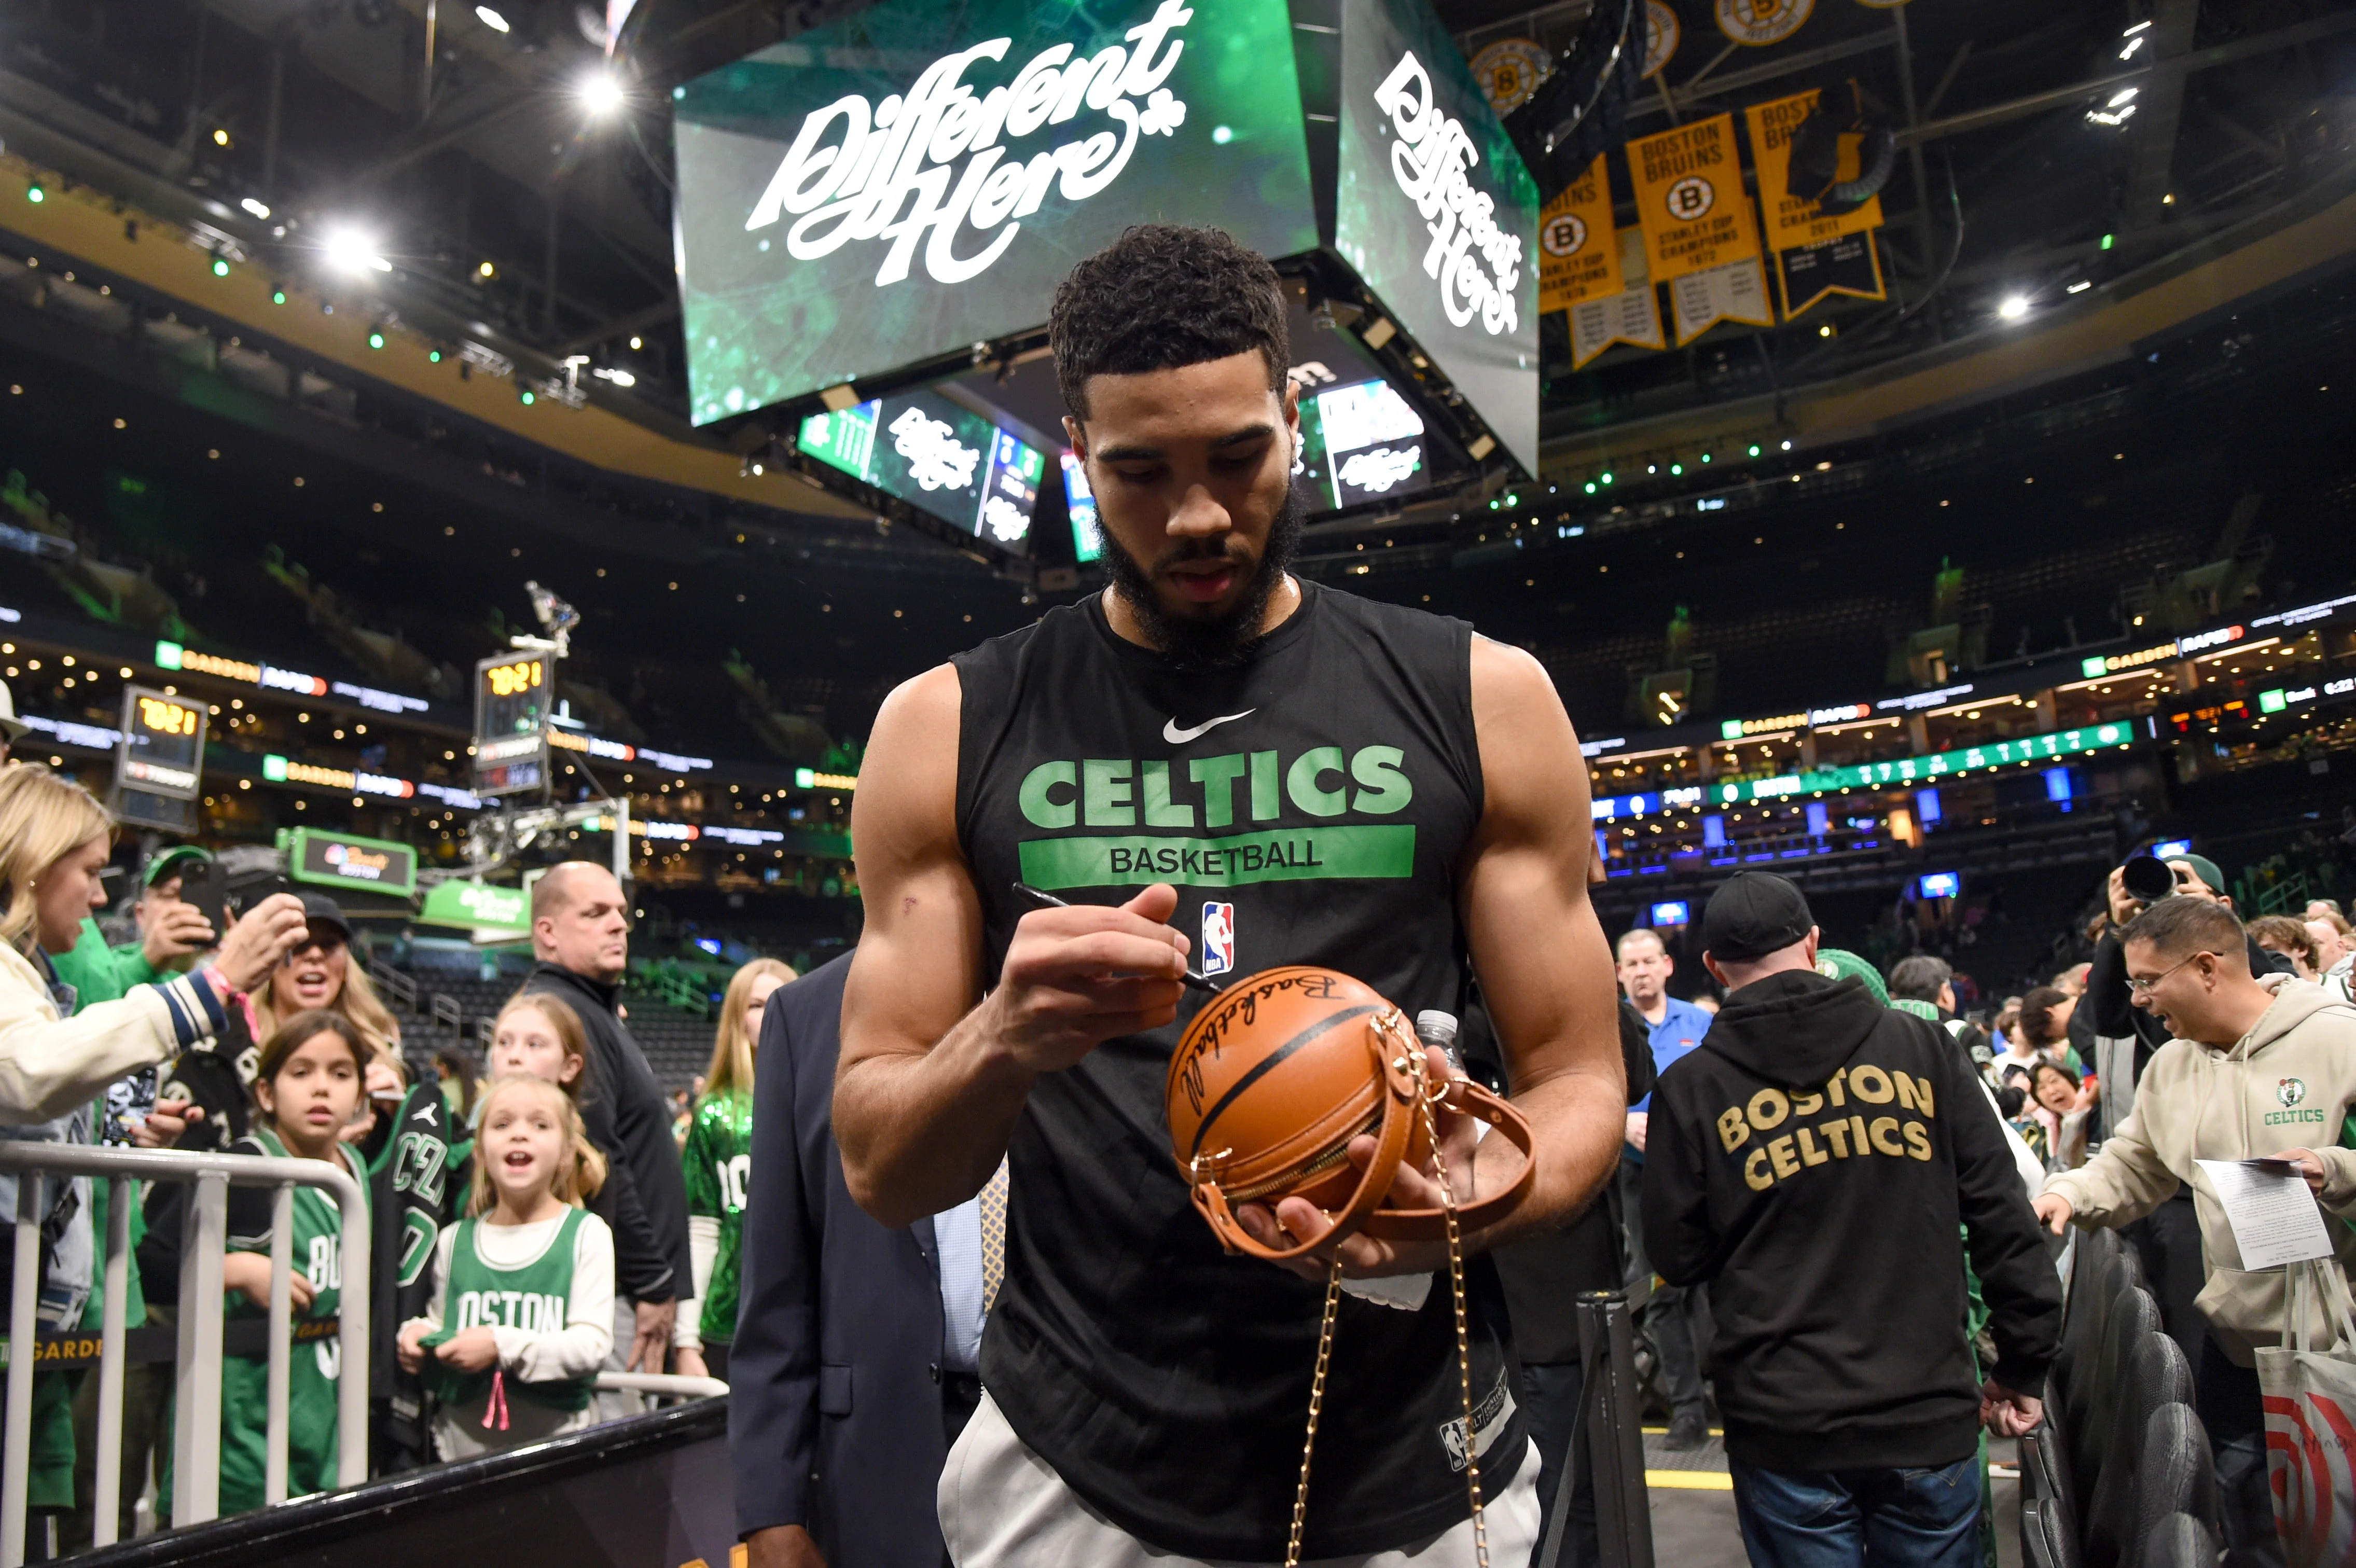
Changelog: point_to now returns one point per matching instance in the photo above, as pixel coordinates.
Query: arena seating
(453, 1006)
(2119, 1475)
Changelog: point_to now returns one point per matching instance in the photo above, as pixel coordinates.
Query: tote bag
(2309, 1397)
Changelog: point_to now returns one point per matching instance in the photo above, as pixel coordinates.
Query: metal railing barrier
(196, 1405)
(449, 1015)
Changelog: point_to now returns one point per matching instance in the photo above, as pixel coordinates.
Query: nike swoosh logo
(1176, 736)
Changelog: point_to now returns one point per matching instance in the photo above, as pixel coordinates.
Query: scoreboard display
(513, 697)
(159, 761)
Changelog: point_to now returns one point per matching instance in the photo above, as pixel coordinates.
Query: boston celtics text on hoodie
(1823, 1163)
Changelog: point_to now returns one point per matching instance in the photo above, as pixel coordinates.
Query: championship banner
(1579, 248)
(1696, 218)
(1630, 315)
(1816, 253)
(1735, 292)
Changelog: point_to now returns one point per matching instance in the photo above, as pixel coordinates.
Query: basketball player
(1312, 777)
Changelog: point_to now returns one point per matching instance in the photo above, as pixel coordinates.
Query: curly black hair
(1164, 295)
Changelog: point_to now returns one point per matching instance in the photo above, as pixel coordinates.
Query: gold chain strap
(1316, 1407)
(1463, 1340)
(1463, 1347)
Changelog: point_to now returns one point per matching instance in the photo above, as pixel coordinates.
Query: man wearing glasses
(2259, 1066)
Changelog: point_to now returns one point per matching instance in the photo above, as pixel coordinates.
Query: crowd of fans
(2180, 1037)
(535, 1221)
(552, 1214)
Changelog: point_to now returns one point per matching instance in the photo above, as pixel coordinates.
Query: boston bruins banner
(1697, 220)
(1816, 253)
(1581, 272)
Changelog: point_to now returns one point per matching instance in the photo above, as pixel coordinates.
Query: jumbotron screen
(1362, 443)
(918, 177)
(1436, 211)
(944, 459)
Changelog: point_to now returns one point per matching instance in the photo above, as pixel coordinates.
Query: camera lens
(2148, 877)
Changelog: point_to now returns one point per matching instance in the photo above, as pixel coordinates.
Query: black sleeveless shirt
(1311, 807)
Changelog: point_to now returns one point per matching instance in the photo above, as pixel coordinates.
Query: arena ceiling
(515, 198)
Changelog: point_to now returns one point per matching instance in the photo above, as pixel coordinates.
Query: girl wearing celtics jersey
(718, 1160)
(307, 1087)
(522, 1311)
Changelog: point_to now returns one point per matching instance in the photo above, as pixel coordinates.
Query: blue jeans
(1845, 1518)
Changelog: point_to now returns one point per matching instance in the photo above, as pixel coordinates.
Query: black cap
(1756, 913)
(321, 910)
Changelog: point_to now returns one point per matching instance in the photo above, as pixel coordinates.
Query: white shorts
(1001, 1506)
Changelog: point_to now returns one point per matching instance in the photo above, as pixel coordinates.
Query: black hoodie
(1818, 1162)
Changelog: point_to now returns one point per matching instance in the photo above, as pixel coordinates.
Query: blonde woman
(314, 974)
(54, 1061)
(718, 1159)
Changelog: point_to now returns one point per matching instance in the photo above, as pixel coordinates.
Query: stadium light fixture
(490, 18)
(256, 208)
(601, 93)
(350, 251)
(2014, 307)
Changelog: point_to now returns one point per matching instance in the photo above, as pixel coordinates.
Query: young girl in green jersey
(522, 1311)
(307, 1087)
(718, 1160)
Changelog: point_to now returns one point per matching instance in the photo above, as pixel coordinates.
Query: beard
(1215, 642)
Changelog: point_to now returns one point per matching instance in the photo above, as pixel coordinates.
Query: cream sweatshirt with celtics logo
(2289, 1083)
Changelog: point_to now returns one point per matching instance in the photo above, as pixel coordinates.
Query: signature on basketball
(1239, 1010)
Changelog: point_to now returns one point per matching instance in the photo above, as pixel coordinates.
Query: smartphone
(205, 886)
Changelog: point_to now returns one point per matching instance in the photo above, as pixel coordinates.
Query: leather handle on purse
(1431, 1224)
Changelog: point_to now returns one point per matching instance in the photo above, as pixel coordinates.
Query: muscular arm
(1545, 968)
(1537, 944)
(929, 1083)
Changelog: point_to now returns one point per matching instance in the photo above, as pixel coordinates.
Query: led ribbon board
(918, 177)
(1437, 212)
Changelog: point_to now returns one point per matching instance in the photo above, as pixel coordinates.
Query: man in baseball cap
(1817, 1163)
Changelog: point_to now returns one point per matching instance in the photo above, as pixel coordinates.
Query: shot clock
(159, 761)
(511, 707)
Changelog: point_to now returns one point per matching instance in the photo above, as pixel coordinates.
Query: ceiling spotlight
(2081, 286)
(634, 343)
(490, 18)
(2123, 95)
(350, 251)
(220, 138)
(256, 208)
(486, 270)
(2014, 307)
(601, 93)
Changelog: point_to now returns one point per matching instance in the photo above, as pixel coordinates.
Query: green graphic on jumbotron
(917, 178)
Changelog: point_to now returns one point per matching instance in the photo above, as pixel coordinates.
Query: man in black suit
(844, 1396)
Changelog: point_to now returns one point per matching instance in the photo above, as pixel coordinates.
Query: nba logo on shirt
(1218, 937)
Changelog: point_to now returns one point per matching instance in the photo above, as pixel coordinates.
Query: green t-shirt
(101, 973)
(718, 1163)
(315, 1366)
